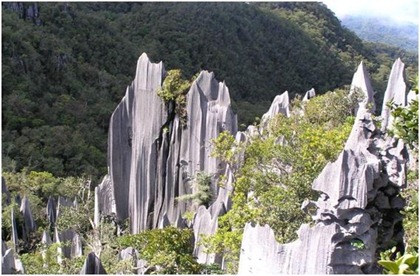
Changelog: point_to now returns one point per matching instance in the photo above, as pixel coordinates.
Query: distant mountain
(403, 35)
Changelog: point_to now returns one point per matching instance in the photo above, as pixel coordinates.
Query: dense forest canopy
(66, 66)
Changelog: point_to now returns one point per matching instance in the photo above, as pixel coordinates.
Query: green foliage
(411, 212)
(44, 261)
(276, 177)
(167, 251)
(38, 186)
(406, 120)
(174, 89)
(201, 184)
(73, 218)
(400, 264)
(357, 244)
(64, 72)
(35, 263)
(223, 146)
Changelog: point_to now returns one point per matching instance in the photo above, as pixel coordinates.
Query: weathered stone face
(153, 157)
(361, 83)
(92, 265)
(28, 220)
(308, 95)
(357, 214)
(395, 91)
(349, 225)
(280, 104)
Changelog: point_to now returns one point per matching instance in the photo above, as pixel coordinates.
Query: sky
(398, 10)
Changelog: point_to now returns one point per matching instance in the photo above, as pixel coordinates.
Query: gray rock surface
(46, 239)
(353, 220)
(205, 223)
(72, 244)
(29, 224)
(280, 104)
(63, 202)
(104, 199)
(14, 229)
(261, 254)
(395, 92)
(308, 95)
(8, 262)
(51, 210)
(361, 82)
(153, 156)
(92, 265)
(5, 191)
(411, 96)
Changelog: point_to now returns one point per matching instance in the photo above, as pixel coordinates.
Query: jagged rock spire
(29, 222)
(308, 95)
(280, 104)
(153, 157)
(361, 82)
(358, 192)
(395, 92)
(92, 265)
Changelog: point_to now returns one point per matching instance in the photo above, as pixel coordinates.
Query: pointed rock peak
(46, 239)
(279, 105)
(148, 75)
(92, 265)
(144, 56)
(224, 95)
(207, 84)
(309, 94)
(395, 92)
(361, 82)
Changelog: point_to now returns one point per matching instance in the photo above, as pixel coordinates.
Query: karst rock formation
(358, 211)
(154, 157)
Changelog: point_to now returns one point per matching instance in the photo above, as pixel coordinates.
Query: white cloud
(397, 10)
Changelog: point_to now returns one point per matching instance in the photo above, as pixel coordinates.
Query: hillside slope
(373, 29)
(66, 65)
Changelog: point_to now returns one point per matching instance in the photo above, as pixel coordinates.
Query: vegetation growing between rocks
(201, 184)
(406, 120)
(167, 251)
(276, 174)
(405, 127)
(174, 90)
(62, 78)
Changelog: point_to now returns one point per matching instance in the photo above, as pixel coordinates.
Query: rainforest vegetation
(65, 67)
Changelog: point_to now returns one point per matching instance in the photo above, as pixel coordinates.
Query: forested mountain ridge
(66, 65)
(403, 35)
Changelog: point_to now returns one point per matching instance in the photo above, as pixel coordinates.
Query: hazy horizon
(402, 11)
